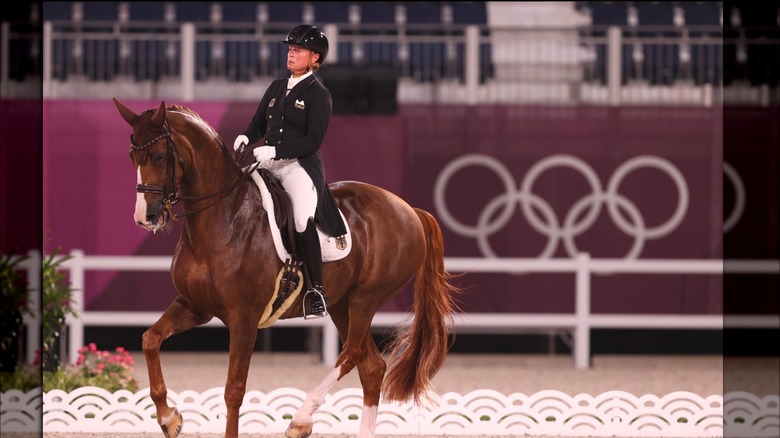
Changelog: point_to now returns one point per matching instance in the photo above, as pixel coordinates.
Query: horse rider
(293, 117)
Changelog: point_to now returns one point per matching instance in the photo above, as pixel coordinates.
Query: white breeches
(300, 187)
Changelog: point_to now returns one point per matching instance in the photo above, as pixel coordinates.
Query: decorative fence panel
(481, 412)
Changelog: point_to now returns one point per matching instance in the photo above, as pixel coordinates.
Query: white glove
(264, 154)
(241, 141)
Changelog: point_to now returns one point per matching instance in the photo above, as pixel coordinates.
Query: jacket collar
(300, 88)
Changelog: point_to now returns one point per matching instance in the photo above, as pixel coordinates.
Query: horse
(225, 266)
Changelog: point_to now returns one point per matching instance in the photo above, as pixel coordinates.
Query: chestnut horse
(225, 266)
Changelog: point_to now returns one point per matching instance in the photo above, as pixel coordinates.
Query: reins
(169, 190)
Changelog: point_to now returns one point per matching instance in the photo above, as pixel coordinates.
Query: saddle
(278, 207)
(283, 212)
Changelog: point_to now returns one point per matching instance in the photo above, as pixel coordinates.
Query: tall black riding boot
(314, 299)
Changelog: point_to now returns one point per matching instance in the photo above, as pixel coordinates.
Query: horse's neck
(233, 206)
(211, 173)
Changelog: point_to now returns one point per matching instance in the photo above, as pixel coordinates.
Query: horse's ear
(159, 115)
(129, 115)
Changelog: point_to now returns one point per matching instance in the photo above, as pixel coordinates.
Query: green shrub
(55, 308)
(110, 371)
(13, 307)
(23, 378)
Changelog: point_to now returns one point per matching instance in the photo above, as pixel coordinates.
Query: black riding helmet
(310, 37)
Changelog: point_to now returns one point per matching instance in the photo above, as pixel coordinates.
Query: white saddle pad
(330, 251)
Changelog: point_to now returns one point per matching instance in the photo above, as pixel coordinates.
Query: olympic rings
(548, 224)
(739, 201)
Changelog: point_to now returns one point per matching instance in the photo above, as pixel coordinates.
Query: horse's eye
(159, 157)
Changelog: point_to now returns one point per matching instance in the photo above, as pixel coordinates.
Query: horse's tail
(418, 354)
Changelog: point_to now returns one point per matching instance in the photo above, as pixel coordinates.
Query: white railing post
(332, 31)
(76, 325)
(582, 310)
(614, 64)
(5, 43)
(330, 344)
(47, 59)
(34, 293)
(187, 62)
(472, 63)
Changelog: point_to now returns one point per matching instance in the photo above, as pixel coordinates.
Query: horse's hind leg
(359, 350)
(302, 422)
(371, 370)
(176, 319)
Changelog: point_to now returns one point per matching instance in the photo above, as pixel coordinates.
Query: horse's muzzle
(156, 219)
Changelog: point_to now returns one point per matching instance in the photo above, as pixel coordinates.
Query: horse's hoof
(298, 430)
(173, 424)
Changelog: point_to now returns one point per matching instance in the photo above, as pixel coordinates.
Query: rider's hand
(264, 154)
(241, 141)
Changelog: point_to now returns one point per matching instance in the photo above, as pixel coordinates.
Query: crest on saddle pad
(289, 282)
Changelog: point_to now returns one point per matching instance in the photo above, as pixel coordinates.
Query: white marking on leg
(316, 396)
(367, 422)
(140, 203)
(164, 421)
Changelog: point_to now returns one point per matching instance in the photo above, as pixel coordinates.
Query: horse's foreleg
(176, 319)
(243, 334)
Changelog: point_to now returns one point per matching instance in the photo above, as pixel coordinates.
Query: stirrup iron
(318, 307)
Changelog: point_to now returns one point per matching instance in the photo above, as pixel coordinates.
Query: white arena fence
(580, 323)
(482, 412)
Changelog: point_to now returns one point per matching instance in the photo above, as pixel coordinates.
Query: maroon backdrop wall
(20, 176)
(89, 194)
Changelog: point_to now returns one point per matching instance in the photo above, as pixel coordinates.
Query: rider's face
(299, 58)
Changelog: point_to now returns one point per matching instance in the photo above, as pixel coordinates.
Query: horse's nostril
(139, 222)
(151, 218)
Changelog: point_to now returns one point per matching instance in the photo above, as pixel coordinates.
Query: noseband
(169, 191)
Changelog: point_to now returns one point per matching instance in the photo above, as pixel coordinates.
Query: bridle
(169, 190)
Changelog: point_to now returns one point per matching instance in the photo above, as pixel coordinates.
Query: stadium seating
(147, 11)
(701, 13)
(100, 11)
(606, 13)
(690, 59)
(331, 12)
(52, 11)
(285, 12)
(469, 13)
